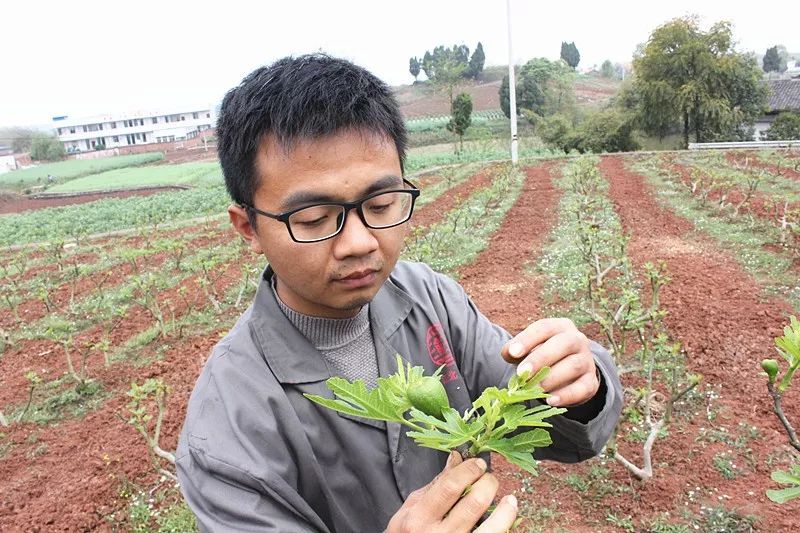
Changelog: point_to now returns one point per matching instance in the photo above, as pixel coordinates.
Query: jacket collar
(290, 356)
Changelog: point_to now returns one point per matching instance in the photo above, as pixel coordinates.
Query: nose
(355, 239)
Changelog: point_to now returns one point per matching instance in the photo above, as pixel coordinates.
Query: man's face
(336, 277)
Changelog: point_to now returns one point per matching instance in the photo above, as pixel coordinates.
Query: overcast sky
(90, 57)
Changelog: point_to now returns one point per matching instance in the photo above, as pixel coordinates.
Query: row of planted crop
(590, 278)
(763, 235)
(104, 309)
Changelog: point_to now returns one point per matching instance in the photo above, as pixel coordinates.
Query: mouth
(360, 278)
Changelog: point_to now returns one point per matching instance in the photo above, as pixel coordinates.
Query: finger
(447, 489)
(553, 350)
(534, 335)
(502, 518)
(567, 370)
(469, 509)
(576, 393)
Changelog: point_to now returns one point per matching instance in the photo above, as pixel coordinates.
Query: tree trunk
(686, 129)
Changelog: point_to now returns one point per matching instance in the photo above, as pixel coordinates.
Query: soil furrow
(726, 326)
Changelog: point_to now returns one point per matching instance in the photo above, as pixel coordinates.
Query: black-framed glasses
(314, 223)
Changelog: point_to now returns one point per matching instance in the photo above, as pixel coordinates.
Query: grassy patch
(72, 168)
(54, 402)
(185, 174)
(561, 261)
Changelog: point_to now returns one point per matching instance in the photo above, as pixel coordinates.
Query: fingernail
(451, 458)
(524, 367)
(481, 463)
(512, 500)
(553, 400)
(515, 349)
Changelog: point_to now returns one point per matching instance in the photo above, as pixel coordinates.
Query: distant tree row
(42, 147)
(449, 63)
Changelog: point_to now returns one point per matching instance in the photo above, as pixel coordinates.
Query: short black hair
(300, 98)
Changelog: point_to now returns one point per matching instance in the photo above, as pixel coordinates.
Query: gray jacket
(255, 455)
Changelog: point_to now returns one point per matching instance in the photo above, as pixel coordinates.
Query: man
(312, 149)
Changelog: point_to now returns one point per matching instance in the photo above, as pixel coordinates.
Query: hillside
(420, 100)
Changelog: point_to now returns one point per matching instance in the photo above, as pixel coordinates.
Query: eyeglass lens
(321, 221)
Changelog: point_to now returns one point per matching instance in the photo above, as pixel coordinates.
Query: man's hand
(442, 506)
(557, 343)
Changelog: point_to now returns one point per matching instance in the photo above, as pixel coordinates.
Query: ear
(241, 222)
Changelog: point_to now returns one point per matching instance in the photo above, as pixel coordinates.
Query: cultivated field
(700, 251)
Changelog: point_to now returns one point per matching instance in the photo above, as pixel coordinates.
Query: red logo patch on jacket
(439, 352)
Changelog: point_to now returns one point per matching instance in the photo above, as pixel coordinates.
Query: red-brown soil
(726, 325)
(85, 463)
(435, 211)
(19, 204)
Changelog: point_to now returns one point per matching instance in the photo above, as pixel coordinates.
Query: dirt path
(497, 280)
(726, 326)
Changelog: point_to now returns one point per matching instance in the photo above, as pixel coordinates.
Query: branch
(645, 473)
(778, 409)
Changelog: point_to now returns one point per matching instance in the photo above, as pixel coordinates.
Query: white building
(126, 129)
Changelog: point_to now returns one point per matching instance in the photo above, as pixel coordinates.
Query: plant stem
(778, 409)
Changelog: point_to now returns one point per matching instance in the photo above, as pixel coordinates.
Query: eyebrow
(300, 198)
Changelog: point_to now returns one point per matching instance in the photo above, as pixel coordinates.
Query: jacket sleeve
(234, 465)
(476, 345)
(226, 499)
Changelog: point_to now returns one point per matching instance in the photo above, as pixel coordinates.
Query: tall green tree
(772, 61)
(413, 67)
(786, 127)
(47, 148)
(695, 81)
(460, 117)
(476, 62)
(607, 69)
(570, 54)
(446, 67)
(543, 87)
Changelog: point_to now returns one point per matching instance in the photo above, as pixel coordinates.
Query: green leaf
(517, 416)
(783, 495)
(785, 478)
(355, 399)
(445, 434)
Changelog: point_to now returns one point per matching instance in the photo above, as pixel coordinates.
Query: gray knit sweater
(346, 344)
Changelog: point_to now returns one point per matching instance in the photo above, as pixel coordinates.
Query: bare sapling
(147, 407)
(788, 346)
(657, 353)
(34, 380)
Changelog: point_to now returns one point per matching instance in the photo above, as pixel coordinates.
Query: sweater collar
(290, 355)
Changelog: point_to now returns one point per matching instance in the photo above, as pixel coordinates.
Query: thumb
(453, 460)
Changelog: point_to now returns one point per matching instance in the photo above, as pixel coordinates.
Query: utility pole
(512, 92)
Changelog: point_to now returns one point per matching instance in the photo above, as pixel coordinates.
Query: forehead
(340, 163)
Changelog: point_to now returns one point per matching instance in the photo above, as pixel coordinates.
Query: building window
(144, 137)
(194, 116)
(101, 126)
(155, 120)
(72, 130)
(113, 125)
(84, 130)
(138, 135)
(183, 118)
(59, 131)
(116, 139)
(208, 115)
